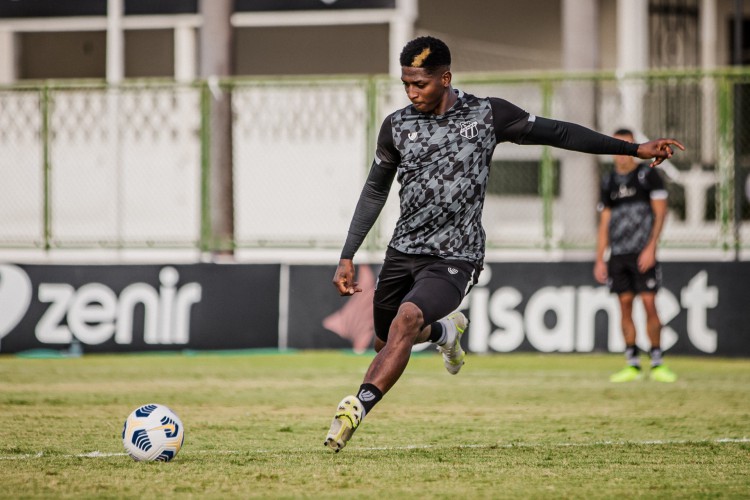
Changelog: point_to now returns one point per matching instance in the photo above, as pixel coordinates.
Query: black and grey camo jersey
(629, 198)
(443, 163)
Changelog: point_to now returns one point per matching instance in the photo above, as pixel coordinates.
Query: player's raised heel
(453, 355)
(345, 422)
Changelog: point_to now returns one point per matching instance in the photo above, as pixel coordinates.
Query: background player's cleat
(662, 374)
(627, 374)
(345, 422)
(453, 355)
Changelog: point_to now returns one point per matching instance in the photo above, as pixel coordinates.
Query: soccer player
(440, 148)
(632, 210)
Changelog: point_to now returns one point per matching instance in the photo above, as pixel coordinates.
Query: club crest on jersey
(469, 129)
(623, 191)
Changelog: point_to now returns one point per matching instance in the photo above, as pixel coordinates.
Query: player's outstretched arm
(659, 150)
(576, 137)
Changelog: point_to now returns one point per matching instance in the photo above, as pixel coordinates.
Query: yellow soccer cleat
(627, 374)
(345, 422)
(453, 355)
(662, 373)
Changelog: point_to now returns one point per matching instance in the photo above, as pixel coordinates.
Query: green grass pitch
(508, 426)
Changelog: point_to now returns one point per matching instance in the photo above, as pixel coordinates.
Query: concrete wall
(359, 49)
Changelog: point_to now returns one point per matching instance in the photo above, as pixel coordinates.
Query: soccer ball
(153, 433)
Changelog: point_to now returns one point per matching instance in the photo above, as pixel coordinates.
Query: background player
(632, 209)
(440, 147)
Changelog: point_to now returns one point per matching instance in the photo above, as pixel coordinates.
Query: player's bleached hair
(426, 52)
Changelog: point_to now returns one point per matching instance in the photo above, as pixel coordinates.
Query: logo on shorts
(651, 283)
(469, 129)
(452, 270)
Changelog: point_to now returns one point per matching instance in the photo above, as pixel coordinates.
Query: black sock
(368, 395)
(631, 354)
(436, 332)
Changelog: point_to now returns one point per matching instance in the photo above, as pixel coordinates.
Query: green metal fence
(84, 165)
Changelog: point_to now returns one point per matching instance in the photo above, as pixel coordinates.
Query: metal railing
(85, 165)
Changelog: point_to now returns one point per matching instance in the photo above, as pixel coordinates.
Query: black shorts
(436, 285)
(624, 275)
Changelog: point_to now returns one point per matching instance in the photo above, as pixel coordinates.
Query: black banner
(547, 307)
(558, 307)
(139, 307)
(320, 318)
(542, 307)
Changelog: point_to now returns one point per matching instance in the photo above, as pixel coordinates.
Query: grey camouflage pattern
(445, 164)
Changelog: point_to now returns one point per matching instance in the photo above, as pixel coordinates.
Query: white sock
(449, 332)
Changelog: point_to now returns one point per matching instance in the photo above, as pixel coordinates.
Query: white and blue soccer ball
(153, 432)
